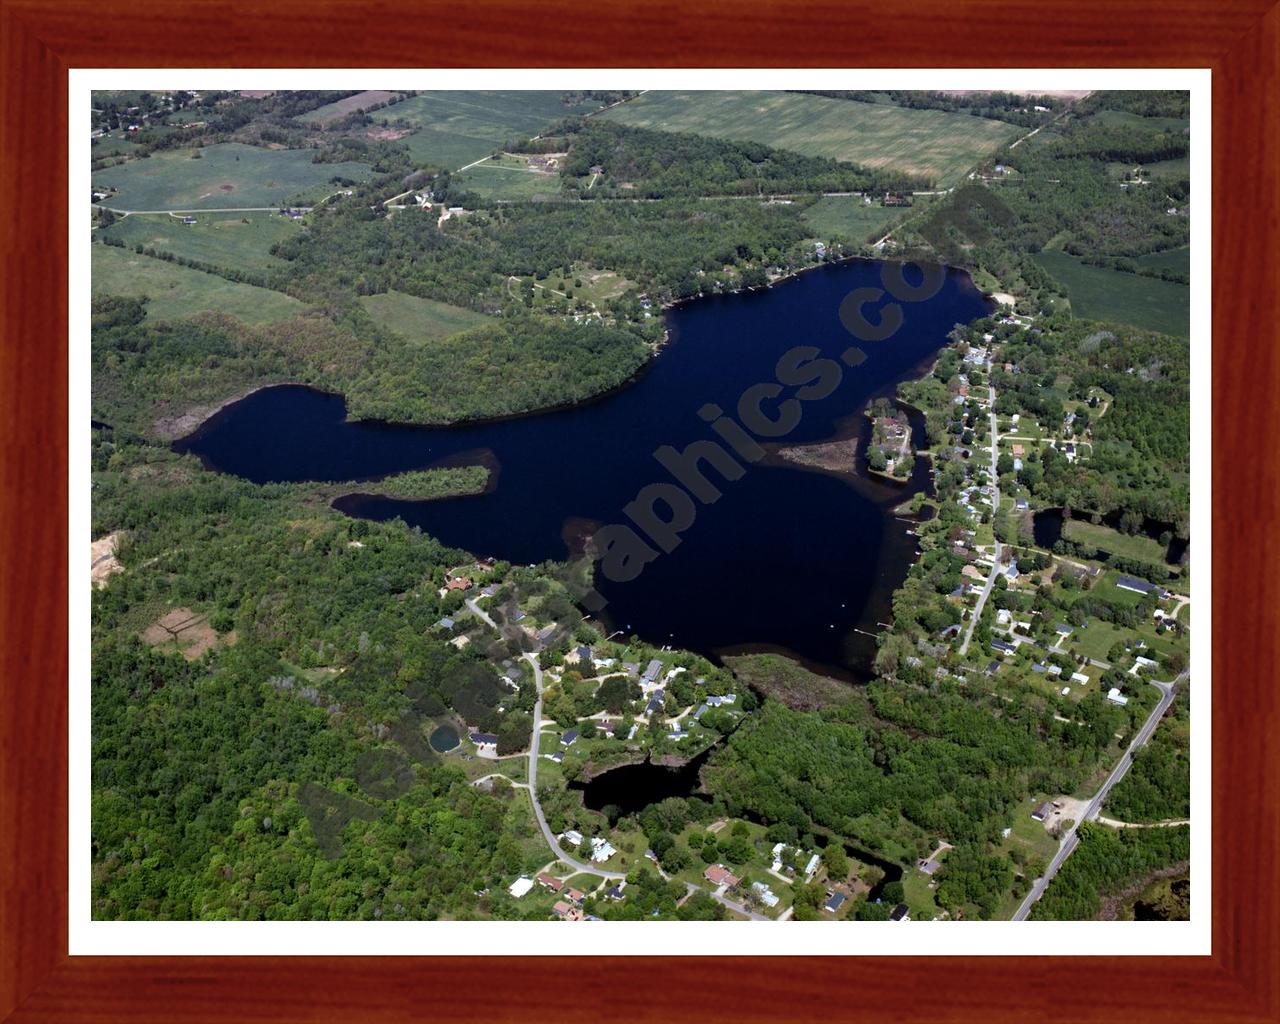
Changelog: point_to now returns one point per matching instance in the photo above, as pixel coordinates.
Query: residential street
(995, 507)
(1071, 840)
(547, 834)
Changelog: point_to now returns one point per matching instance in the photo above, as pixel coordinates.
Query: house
(651, 672)
(1012, 572)
(574, 896)
(550, 882)
(1017, 465)
(517, 616)
(702, 710)
(834, 902)
(566, 912)
(569, 737)
(460, 641)
(614, 892)
(1116, 697)
(1020, 505)
(490, 590)
(601, 850)
(1003, 646)
(1038, 668)
(811, 867)
(1140, 586)
(1062, 629)
(1042, 811)
(1018, 451)
(1079, 677)
(557, 757)
(606, 726)
(655, 703)
(766, 895)
(1055, 670)
(900, 913)
(584, 654)
(718, 874)
(993, 668)
(1003, 616)
(677, 734)
(520, 886)
(486, 742)
(446, 623)
(458, 583)
(1066, 690)
(188, 220)
(574, 836)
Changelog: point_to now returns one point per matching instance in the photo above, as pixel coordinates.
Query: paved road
(547, 834)
(1072, 840)
(209, 210)
(995, 507)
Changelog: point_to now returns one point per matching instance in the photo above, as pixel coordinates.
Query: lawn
(1170, 259)
(240, 240)
(174, 292)
(457, 128)
(505, 183)
(417, 320)
(850, 218)
(932, 143)
(228, 175)
(1098, 637)
(1104, 538)
(1101, 294)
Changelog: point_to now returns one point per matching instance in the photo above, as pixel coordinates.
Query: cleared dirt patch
(189, 633)
(103, 553)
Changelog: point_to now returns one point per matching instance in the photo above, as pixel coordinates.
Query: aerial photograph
(645, 505)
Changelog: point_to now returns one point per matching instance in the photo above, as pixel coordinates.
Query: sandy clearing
(103, 554)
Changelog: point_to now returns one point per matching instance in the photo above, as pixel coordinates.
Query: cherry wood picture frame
(39, 41)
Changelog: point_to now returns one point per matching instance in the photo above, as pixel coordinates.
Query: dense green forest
(1158, 785)
(212, 776)
(1106, 861)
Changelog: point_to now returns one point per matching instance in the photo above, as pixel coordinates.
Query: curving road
(547, 834)
(1072, 840)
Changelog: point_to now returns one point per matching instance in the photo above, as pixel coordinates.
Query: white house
(520, 886)
(601, 850)
(1116, 697)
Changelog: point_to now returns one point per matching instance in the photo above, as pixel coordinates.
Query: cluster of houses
(601, 848)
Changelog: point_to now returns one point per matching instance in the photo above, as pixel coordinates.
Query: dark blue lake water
(787, 559)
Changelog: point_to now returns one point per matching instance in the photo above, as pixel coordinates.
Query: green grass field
(227, 175)
(419, 320)
(1100, 294)
(1128, 119)
(931, 143)
(1170, 259)
(499, 183)
(849, 218)
(174, 292)
(456, 128)
(226, 240)
(1139, 546)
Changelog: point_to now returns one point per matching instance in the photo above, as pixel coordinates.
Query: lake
(788, 559)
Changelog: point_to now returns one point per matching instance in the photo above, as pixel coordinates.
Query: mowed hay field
(241, 240)
(499, 183)
(228, 175)
(457, 128)
(850, 218)
(932, 143)
(1101, 294)
(174, 292)
(417, 320)
(331, 112)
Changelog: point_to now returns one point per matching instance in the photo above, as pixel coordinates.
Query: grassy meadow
(938, 145)
(1102, 294)
(174, 292)
(456, 128)
(242, 240)
(417, 320)
(227, 175)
